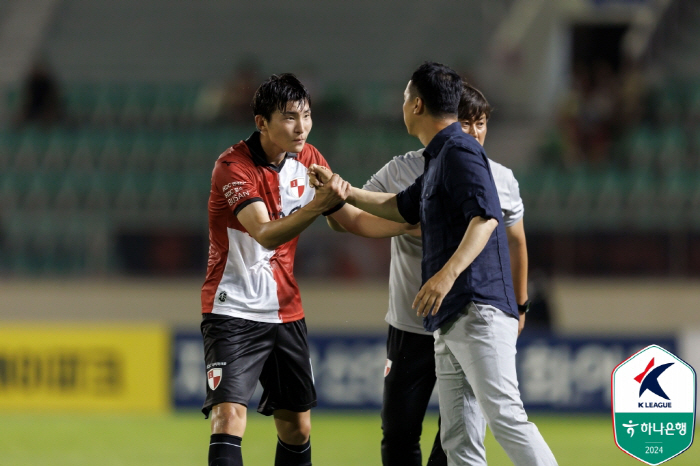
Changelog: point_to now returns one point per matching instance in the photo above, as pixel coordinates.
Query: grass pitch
(339, 439)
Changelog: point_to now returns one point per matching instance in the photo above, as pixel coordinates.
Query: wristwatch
(524, 307)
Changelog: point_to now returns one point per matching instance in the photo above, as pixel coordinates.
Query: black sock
(225, 450)
(293, 455)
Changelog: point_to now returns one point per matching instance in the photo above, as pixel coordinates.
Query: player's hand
(319, 175)
(334, 191)
(432, 294)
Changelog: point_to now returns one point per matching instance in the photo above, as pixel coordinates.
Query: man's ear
(260, 122)
(418, 106)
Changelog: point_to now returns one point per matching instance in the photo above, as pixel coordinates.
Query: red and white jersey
(244, 279)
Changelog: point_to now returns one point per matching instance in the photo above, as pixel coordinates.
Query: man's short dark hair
(276, 92)
(439, 86)
(473, 104)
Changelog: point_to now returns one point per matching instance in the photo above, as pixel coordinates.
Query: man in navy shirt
(467, 296)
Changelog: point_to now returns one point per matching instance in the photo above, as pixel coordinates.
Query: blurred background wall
(113, 113)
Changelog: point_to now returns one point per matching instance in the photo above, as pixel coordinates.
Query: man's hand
(319, 175)
(332, 192)
(521, 323)
(432, 293)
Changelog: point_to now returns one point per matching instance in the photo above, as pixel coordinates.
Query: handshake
(330, 188)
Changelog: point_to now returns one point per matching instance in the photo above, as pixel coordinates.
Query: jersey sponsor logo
(387, 367)
(233, 198)
(231, 184)
(214, 377)
(297, 186)
(222, 297)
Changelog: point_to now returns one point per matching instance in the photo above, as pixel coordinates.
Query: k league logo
(651, 382)
(653, 405)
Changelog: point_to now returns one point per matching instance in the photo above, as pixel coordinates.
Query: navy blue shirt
(457, 186)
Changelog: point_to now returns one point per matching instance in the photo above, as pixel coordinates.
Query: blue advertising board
(567, 374)
(572, 374)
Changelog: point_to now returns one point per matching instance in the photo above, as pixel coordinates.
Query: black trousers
(407, 390)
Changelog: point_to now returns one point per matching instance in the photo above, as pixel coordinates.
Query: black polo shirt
(457, 185)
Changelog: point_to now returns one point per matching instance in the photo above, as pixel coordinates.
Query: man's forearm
(475, 238)
(275, 233)
(517, 248)
(358, 222)
(380, 204)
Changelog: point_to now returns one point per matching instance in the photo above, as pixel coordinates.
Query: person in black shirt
(467, 296)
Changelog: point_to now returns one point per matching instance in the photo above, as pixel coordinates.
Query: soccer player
(467, 296)
(410, 372)
(253, 323)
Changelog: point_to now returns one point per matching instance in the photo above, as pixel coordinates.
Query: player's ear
(260, 122)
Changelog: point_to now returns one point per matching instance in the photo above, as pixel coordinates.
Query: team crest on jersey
(214, 377)
(387, 367)
(297, 185)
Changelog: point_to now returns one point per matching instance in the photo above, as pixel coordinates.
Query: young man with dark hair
(253, 323)
(467, 296)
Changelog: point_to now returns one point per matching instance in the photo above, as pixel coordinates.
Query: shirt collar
(435, 145)
(258, 154)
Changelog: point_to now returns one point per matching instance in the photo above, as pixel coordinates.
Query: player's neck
(430, 127)
(273, 153)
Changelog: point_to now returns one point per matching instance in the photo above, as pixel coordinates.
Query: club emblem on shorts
(387, 367)
(297, 186)
(214, 377)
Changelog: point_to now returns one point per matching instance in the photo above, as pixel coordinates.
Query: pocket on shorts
(482, 313)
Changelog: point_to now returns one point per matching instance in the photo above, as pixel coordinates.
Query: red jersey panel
(244, 279)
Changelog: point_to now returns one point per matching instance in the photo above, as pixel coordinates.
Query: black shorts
(239, 352)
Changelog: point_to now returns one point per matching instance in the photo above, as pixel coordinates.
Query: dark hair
(473, 104)
(439, 86)
(276, 92)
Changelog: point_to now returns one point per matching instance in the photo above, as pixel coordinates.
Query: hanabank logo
(653, 405)
(650, 381)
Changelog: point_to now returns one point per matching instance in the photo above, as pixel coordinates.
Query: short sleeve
(236, 183)
(408, 201)
(379, 182)
(468, 182)
(513, 207)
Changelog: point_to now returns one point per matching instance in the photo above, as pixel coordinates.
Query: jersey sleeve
(235, 183)
(512, 204)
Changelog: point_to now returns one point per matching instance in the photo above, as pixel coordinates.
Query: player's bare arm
(433, 292)
(274, 233)
(380, 204)
(517, 247)
(353, 220)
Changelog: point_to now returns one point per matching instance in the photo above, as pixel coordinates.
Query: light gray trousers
(477, 383)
